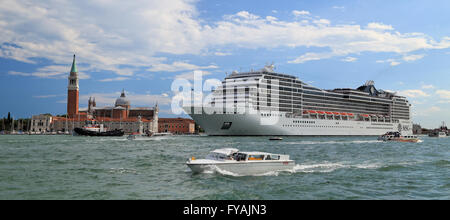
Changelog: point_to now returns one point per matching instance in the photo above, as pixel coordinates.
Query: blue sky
(142, 46)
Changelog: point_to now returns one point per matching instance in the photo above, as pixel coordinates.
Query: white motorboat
(241, 163)
(396, 136)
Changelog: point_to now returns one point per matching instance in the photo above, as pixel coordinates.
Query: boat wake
(325, 167)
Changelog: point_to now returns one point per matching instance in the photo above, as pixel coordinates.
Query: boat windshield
(240, 157)
(272, 157)
(218, 156)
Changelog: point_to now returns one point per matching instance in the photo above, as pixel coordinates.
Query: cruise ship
(264, 102)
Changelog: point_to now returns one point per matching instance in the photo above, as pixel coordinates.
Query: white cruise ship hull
(256, 125)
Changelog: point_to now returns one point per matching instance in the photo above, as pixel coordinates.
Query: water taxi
(241, 163)
(396, 136)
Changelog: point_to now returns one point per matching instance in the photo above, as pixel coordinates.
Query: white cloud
(178, 66)
(52, 72)
(339, 7)
(48, 96)
(406, 58)
(410, 58)
(395, 63)
(312, 56)
(379, 26)
(120, 78)
(413, 93)
(428, 87)
(222, 54)
(300, 13)
(444, 94)
(104, 39)
(350, 59)
(322, 22)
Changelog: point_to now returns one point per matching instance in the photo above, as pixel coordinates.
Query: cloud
(427, 111)
(114, 79)
(406, 58)
(428, 87)
(339, 7)
(48, 96)
(379, 26)
(178, 66)
(395, 63)
(52, 72)
(444, 94)
(350, 59)
(222, 54)
(105, 39)
(312, 56)
(297, 13)
(410, 58)
(413, 93)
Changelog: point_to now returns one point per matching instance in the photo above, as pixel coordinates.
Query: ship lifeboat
(321, 112)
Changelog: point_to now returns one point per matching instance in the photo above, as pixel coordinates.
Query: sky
(142, 46)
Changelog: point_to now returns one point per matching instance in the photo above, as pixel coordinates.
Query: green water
(66, 167)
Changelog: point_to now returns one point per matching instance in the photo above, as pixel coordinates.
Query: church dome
(122, 100)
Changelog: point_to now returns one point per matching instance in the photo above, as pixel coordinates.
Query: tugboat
(396, 136)
(441, 132)
(93, 129)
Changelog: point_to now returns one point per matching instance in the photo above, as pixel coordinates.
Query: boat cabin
(234, 154)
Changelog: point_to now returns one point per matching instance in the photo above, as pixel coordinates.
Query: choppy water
(66, 167)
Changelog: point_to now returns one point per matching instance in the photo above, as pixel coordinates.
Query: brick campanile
(73, 92)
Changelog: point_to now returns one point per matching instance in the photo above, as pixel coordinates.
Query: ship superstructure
(264, 102)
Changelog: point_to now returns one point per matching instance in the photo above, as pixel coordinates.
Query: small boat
(94, 129)
(439, 134)
(396, 136)
(276, 139)
(241, 163)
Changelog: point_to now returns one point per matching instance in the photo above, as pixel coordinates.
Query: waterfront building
(176, 125)
(41, 123)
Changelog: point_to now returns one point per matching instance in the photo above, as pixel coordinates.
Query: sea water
(68, 167)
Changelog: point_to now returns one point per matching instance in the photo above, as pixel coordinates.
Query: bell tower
(73, 91)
